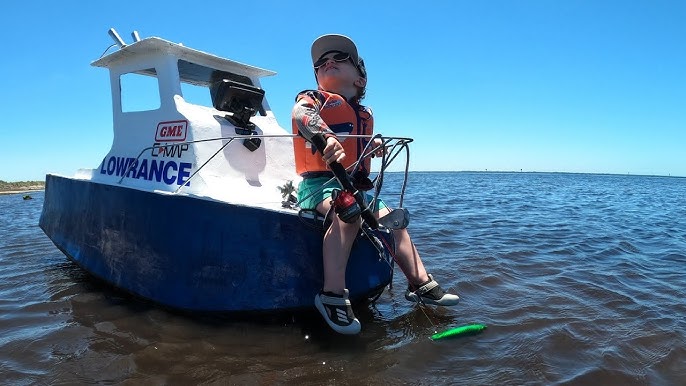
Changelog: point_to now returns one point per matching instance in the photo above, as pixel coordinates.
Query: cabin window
(139, 92)
(197, 95)
(201, 96)
(196, 81)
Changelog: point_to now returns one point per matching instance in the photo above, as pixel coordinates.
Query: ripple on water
(577, 276)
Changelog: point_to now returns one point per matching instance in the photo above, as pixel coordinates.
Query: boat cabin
(228, 147)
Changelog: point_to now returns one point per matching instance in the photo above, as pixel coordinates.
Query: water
(580, 279)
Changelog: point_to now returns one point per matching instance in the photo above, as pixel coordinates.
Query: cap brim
(328, 43)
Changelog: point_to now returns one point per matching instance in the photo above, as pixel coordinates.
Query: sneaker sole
(446, 301)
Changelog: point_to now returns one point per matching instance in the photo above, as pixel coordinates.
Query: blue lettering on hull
(166, 171)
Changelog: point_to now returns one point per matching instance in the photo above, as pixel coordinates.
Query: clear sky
(571, 86)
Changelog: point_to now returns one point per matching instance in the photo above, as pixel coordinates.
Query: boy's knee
(345, 226)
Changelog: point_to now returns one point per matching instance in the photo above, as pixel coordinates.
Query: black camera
(242, 101)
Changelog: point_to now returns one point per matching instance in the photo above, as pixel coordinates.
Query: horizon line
(465, 171)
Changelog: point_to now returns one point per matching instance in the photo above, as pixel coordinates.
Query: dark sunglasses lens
(341, 56)
(320, 62)
(338, 57)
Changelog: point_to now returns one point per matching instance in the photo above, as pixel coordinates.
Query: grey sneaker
(338, 312)
(431, 293)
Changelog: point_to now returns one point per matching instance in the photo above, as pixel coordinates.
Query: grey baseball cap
(333, 42)
(328, 43)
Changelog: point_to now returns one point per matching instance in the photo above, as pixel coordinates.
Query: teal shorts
(317, 193)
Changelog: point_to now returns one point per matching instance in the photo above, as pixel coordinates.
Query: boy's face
(336, 74)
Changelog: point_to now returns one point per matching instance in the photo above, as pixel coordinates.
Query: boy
(334, 108)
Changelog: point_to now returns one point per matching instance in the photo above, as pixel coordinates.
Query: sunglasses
(337, 57)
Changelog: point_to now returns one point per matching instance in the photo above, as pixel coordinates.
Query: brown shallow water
(580, 279)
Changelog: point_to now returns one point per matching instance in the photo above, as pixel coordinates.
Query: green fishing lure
(466, 330)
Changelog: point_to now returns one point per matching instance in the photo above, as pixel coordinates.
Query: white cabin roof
(197, 67)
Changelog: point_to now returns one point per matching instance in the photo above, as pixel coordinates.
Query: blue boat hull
(194, 254)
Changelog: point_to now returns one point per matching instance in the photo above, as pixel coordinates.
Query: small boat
(190, 207)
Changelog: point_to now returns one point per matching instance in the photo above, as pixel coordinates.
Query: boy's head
(335, 60)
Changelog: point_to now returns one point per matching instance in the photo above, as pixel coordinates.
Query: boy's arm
(306, 117)
(310, 123)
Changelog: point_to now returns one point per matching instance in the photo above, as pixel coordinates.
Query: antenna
(135, 36)
(116, 38)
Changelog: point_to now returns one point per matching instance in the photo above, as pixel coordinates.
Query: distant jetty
(21, 187)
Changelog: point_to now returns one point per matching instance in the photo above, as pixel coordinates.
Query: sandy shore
(28, 190)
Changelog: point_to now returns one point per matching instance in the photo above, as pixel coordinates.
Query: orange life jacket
(342, 118)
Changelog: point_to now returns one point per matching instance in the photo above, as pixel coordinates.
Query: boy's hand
(333, 151)
(381, 149)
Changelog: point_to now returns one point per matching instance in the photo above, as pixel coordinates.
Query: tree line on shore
(21, 185)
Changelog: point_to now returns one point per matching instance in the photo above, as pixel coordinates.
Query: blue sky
(569, 86)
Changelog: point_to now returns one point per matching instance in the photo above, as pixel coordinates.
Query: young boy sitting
(334, 108)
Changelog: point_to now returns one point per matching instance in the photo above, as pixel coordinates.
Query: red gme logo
(173, 131)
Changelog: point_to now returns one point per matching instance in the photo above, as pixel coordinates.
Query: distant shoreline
(21, 187)
(544, 172)
(4, 192)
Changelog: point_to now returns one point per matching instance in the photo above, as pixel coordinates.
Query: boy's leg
(421, 285)
(407, 256)
(332, 302)
(338, 241)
